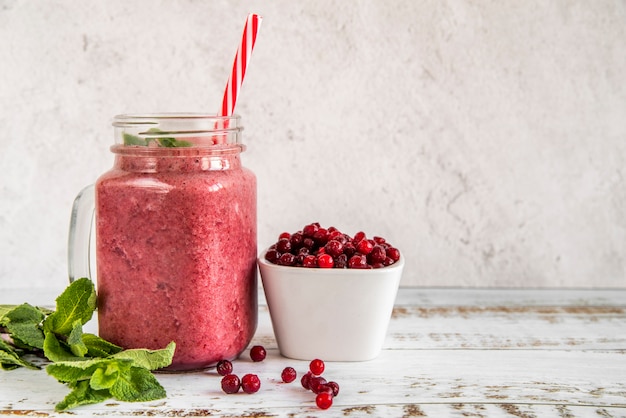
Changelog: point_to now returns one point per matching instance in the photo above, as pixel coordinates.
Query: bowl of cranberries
(330, 294)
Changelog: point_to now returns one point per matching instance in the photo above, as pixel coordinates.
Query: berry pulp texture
(159, 218)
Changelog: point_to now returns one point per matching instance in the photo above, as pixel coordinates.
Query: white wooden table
(449, 352)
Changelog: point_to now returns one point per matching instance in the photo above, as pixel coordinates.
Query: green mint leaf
(82, 394)
(77, 302)
(168, 142)
(134, 140)
(10, 359)
(23, 324)
(173, 143)
(75, 340)
(149, 359)
(73, 371)
(5, 309)
(99, 347)
(55, 350)
(137, 385)
(105, 376)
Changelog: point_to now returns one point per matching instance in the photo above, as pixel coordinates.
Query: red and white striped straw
(253, 22)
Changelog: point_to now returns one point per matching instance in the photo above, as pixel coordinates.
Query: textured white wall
(487, 140)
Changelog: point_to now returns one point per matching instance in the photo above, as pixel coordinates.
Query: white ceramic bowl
(331, 314)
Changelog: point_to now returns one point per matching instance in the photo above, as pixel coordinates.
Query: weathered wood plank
(397, 377)
(415, 296)
(508, 327)
(495, 410)
(487, 354)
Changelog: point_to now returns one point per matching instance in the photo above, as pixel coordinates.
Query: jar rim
(186, 129)
(132, 119)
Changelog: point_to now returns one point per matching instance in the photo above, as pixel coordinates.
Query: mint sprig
(93, 368)
(167, 142)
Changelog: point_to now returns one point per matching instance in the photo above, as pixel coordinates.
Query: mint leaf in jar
(173, 142)
(167, 142)
(134, 140)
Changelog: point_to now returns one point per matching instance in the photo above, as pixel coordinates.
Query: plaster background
(487, 140)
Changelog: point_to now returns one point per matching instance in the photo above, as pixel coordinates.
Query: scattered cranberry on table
(250, 383)
(317, 366)
(324, 400)
(224, 367)
(288, 375)
(312, 380)
(231, 383)
(258, 353)
(317, 247)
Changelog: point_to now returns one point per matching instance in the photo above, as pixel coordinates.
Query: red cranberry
(377, 255)
(272, 256)
(288, 375)
(283, 245)
(338, 236)
(308, 243)
(317, 366)
(287, 259)
(224, 367)
(358, 237)
(334, 247)
(309, 261)
(321, 236)
(325, 388)
(310, 230)
(334, 386)
(258, 353)
(325, 261)
(231, 383)
(324, 400)
(305, 380)
(393, 253)
(284, 235)
(250, 383)
(316, 383)
(364, 246)
(341, 262)
(349, 249)
(357, 261)
(296, 240)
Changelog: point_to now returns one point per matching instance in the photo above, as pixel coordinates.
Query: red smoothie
(176, 252)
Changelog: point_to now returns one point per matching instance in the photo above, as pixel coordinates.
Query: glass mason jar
(175, 238)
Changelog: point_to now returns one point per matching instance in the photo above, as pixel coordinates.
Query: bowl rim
(329, 271)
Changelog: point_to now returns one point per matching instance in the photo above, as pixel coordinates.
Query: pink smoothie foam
(176, 251)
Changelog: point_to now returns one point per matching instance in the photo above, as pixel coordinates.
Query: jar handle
(78, 257)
